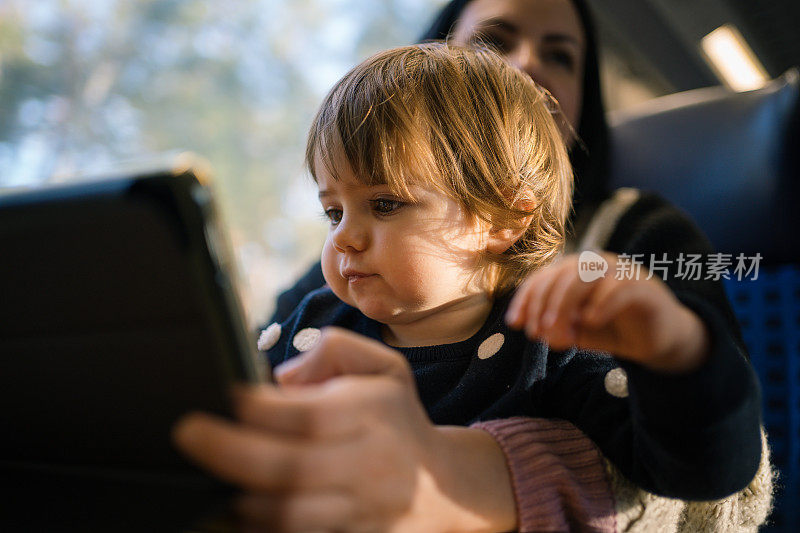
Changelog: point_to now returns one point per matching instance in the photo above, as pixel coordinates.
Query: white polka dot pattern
(306, 339)
(269, 337)
(616, 383)
(491, 346)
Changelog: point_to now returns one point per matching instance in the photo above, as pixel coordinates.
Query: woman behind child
(446, 182)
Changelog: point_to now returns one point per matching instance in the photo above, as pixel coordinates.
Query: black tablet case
(117, 315)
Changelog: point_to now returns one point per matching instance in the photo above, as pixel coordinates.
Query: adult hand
(354, 451)
(637, 319)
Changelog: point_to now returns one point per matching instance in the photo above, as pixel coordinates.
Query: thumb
(340, 352)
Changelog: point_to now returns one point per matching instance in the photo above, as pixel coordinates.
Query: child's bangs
(372, 119)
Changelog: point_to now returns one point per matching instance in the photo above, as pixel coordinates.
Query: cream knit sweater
(639, 511)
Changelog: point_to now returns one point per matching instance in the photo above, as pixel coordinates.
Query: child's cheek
(330, 267)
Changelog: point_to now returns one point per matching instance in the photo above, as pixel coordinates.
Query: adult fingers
(259, 461)
(311, 511)
(311, 412)
(340, 352)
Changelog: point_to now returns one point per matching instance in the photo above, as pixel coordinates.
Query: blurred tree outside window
(85, 84)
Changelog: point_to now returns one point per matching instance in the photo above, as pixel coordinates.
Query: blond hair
(465, 122)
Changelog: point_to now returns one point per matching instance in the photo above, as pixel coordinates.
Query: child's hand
(636, 319)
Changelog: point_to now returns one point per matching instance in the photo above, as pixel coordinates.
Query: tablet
(118, 315)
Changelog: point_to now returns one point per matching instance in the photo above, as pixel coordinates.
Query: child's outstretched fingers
(526, 306)
(564, 306)
(609, 299)
(537, 300)
(636, 319)
(621, 317)
(549, 303)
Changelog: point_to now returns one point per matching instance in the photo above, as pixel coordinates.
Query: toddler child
(446, 184)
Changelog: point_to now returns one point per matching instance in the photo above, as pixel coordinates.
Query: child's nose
(350, 235)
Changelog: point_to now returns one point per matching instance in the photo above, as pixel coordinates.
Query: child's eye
(385, 206)
(334, 215)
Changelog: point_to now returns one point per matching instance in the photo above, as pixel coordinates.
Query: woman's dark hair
(590, 156)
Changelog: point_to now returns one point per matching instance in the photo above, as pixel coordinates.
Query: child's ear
(501, 237)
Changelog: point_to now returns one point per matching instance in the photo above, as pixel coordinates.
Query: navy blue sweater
(693, 436)
(690, 437)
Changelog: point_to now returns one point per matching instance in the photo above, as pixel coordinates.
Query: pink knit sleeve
(558, 475)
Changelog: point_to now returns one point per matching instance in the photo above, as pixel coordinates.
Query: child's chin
(374, 306)
(376, 311)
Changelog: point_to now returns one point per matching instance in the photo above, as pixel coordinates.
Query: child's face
(395, 260)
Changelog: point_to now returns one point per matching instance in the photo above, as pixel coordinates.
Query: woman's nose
(525, 56)
(350, 235)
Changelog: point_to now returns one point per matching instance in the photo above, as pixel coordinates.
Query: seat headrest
(729, 159)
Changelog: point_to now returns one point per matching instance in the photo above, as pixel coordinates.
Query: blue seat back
(732, 162)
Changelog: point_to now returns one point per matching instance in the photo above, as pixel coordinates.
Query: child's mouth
(355, 278)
